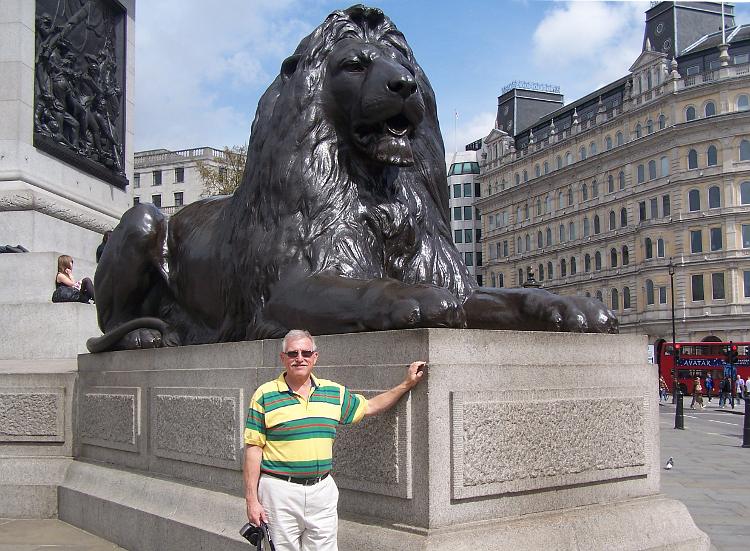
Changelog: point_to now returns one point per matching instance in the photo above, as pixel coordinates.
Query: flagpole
(455, 131)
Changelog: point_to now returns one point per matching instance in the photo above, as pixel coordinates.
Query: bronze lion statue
(340, 224)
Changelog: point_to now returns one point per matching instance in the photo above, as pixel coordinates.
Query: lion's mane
(300, 204)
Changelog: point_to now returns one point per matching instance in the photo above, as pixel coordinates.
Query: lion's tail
(109, 340)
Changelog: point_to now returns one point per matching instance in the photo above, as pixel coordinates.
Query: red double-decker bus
(698, 359)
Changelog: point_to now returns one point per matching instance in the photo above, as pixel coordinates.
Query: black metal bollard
(746, 431)
(679, 417)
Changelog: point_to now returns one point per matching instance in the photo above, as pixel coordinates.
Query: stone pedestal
(532, 440)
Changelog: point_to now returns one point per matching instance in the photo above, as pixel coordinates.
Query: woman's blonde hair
(64, 261)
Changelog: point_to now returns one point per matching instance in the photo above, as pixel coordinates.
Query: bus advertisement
(698, 359)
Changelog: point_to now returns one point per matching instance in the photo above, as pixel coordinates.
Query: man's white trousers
(300, 518)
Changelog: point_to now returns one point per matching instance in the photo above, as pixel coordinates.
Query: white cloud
(585, 45)
(200, 71)
(466, 131)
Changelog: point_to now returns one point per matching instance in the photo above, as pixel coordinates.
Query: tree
(223, 174)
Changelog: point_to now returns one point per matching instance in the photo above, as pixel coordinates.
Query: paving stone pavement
(710, 476)
(711, 473)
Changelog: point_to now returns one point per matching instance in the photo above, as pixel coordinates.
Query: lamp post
(674, 363)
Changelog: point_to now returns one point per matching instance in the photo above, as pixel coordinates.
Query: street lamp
(674, 356)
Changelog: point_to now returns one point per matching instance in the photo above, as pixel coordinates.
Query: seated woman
(68, 289)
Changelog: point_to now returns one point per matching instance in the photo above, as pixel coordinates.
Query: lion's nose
(403, 85)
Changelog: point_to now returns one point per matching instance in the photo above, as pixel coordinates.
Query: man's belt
(296, 480)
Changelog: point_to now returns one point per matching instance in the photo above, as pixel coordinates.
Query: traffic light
(677, 350)
(732, 354)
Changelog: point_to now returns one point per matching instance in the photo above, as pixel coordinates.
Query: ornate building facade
(598, 197)
(463, 192)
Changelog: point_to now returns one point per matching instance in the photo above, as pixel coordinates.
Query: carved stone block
(199, 425)
(375, 454)
(32, 415)
(515, 446)
(110, 417)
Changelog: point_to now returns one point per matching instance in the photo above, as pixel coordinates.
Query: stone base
(513, 440)
(46, 331)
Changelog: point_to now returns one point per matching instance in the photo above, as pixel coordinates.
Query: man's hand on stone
(415, 373)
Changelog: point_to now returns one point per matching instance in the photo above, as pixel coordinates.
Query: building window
(592, 148)
(467, 213)
(479, 278)
(652, 170)
(696, 241)
(742, 103)
(137, 178)
(458, 236)
(690, 113)
(625, 256)
(710, 109)
(746, 281)
(714, 197)
(598, 261)
(156, 177)
(745, 236)
(612, 220)
(613, 258)
(697, 286)
(539, 240)
(608, 142)
(573, 266)
(586, 228)
(563, 268)
(549, 236)
(716, 239)
(467, 236)
(625, 298)
(619, 138)
(641, 211)
(179, 175)
(505, 248)
(456, 191)
(621, 178)
(662, 122)
(572, 231)
(610, 183)
(457, 213)
(477, 189)
(649, 126)
(662, 295)
(469, 259)
(550, 273)
(654, 208)
(520, 276)
(649, 248)
(178, 200)
(517, 178)
(467, 189)
(649, 292)
(587, 263)
(156, 200)
(717, 286)
(546, 167)
(665, 205)
(638, 130)
(745, 150)
(660, 248)
(584, 192)
(519, 244)
(582, 153)
(562, 233)
(597, 226)
(558, 161)
(641, 174)
(745, 193)
(560, 200)
(594, 189)
(599, 297)
(664, 167)
(623, 217)
(478, 235)
(694, 200)
(525, 176)
(528, 242)
(615, 300)
(568, 159)
(540, 272)
(136, 201)
(711, 156)
(692, 159)
(525, 212)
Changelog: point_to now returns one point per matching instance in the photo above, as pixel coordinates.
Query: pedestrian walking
(662, 389)
(697, 394)
(739, 387)
(725, 392)
(709, 385)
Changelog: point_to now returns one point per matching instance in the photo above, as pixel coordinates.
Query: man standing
(725, 392)
(289, 434)
(709, 385)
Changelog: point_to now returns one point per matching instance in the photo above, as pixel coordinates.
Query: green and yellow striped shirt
(297, 434)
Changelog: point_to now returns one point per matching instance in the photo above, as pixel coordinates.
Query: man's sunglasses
(305, 353)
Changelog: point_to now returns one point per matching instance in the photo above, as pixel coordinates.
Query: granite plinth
(512, 436)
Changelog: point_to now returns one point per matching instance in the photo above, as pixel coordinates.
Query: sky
(201, 68)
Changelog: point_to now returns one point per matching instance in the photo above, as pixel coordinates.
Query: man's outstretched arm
(386, 400)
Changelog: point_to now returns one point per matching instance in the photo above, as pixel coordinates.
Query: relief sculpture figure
(340, 224)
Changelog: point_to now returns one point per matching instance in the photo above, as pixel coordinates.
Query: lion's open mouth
(398, 125)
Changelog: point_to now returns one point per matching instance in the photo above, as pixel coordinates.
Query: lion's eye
(354, 65)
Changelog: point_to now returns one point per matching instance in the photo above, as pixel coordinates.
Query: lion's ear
(289, 66)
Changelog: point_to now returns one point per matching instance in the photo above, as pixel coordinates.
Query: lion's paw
(141, 338)
(581, 315)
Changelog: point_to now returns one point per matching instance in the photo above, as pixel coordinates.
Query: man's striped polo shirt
(297, 434)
